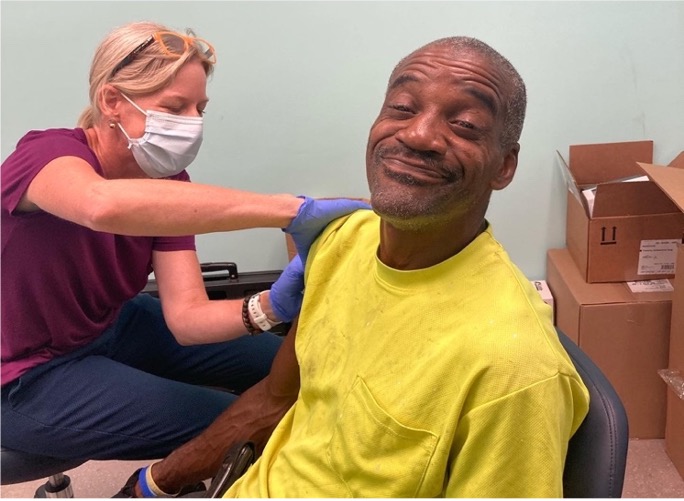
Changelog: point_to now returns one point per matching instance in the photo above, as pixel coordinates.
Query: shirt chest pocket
(373, 454)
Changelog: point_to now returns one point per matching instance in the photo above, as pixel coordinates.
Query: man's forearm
(252, 417)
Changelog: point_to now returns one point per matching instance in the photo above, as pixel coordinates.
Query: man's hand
(314, 215)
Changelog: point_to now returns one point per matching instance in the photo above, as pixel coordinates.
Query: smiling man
(425, 364)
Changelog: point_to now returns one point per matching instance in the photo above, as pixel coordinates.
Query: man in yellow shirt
(424, 363)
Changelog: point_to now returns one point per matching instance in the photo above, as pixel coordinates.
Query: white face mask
(170, 142)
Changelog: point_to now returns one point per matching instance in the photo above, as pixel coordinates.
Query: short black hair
(516, 100)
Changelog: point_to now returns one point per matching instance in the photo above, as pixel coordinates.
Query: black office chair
(597, 453)
(17, 467)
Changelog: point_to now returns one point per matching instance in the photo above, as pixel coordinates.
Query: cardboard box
(671, 181)
(678, 161)
(674, 430)
(625, 333)
(674, 424)
(545, 293)
(677, 332)
(631, 232)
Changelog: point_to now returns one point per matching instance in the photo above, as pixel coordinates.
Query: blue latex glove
(288, 291)
(314, 215)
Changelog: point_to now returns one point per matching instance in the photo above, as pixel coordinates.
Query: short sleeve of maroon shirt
(62, 284)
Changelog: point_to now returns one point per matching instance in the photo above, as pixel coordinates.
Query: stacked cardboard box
(631, 229)
(672, 183)
(610, 285)
(625, 333)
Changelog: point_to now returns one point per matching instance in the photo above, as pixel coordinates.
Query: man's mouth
(411, 171)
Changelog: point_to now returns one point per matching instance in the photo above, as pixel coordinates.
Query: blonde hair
(151, 70)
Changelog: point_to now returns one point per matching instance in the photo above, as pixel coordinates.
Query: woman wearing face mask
(90, 367)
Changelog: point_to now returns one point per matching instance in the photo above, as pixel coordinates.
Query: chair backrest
(597, 453)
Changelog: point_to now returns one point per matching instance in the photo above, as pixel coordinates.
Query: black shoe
(128, 490)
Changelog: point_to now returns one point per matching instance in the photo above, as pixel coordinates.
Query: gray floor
(650, 474)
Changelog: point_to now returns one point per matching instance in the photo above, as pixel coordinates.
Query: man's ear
(506, 171)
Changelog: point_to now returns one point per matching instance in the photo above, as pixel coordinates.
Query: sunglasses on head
(172, 44)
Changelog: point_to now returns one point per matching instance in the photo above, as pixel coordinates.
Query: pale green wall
(299, 83)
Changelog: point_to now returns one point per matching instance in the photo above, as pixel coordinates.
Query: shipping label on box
(645, 286)
(657, 257)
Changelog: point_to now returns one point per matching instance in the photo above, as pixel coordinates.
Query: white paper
(657, 257)
(662, 285)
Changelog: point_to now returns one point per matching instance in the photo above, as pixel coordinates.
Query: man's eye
(464, 124)
(401, 107)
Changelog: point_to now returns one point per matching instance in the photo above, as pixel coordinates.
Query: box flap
(674, 379)
(567, 177)
(670, 180)
(678, 161)
(631, 199)
(600, 163)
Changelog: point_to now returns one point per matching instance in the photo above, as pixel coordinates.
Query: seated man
(425, 364)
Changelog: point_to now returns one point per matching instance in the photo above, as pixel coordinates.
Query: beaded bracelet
(246, 319)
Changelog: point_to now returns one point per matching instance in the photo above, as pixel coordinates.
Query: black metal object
(236, 462)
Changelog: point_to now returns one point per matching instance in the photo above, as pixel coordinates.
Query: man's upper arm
(284, 375)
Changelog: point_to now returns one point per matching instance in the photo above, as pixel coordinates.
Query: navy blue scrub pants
(134, 393)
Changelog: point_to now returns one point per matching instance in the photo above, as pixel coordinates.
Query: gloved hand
(288, 291)
(314, 215)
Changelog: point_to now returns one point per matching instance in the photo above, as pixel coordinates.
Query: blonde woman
(87, 214)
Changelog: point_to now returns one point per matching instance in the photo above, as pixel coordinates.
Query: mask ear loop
(130, 141)
(134, 105)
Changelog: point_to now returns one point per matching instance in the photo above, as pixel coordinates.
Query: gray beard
(405, 213)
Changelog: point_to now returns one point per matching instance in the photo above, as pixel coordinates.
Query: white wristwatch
(257, 315)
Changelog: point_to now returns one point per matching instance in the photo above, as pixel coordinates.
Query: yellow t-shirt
(445, 381)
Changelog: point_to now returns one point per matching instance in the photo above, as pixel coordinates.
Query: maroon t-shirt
(62, 284)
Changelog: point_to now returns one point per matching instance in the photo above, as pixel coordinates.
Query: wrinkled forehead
(459, 59)
(463, 66)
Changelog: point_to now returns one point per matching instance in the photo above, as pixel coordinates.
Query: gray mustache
(431, 160)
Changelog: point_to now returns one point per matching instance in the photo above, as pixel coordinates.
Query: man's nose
(423, 132)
